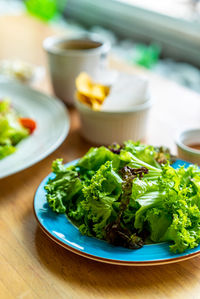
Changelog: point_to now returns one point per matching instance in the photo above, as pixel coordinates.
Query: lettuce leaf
(62, 188)
(103, 191)
(146, 153)
(95, 157)
(6, 150)
(171, 214)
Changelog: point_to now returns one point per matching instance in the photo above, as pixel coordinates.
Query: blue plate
(62, 231)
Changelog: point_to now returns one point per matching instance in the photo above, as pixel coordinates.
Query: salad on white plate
(22, 144)
(13, 128)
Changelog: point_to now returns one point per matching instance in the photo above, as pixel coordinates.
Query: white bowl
(102, 127)
(185, 152)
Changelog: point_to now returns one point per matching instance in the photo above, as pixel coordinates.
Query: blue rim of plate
(63, 232)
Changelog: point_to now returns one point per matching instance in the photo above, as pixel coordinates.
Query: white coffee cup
(68, 56)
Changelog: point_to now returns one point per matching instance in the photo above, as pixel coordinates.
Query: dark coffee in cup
(78, 44)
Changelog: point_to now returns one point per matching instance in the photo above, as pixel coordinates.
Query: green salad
(12, 128)
(129, 195)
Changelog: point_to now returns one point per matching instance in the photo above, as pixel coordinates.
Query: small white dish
(106, 127)
(52, 126)
(184, 143)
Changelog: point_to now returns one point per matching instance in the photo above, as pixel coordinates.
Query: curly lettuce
(103, 191)
(129, 195)
(62, 188)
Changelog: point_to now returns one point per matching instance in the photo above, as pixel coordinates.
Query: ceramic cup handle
(104, 54)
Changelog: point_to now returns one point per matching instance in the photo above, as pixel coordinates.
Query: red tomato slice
(28, 123)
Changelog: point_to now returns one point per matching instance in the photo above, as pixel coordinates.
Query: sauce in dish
(195, 146)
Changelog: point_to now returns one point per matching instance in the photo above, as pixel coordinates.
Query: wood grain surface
(33, 266)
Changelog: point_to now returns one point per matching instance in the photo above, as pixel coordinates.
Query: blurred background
(162, 36)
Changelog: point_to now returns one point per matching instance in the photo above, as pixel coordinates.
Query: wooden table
(33, 266)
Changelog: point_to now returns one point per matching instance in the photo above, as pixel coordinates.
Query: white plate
(52, 126)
